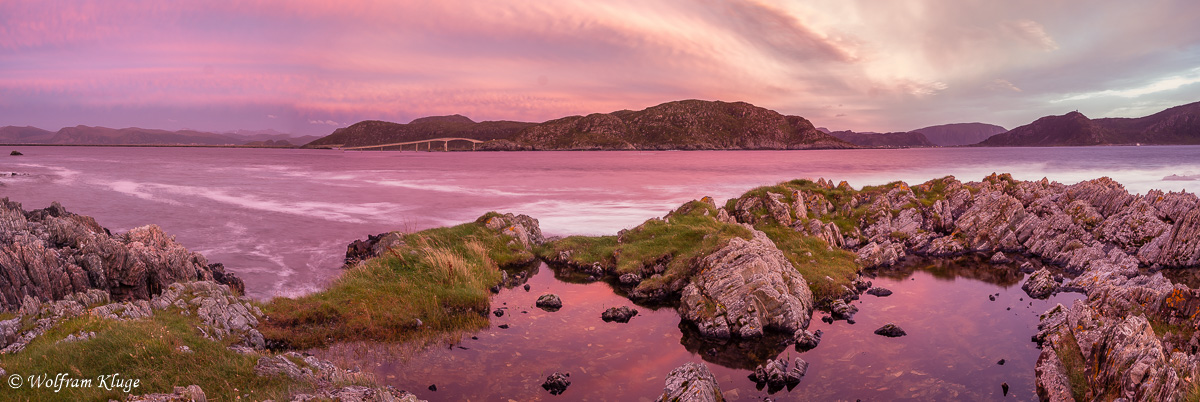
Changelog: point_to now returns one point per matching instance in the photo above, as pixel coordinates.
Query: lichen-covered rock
(522, 228)
(874, 255)
(50, 253)
(691, 382)
(1040, 284)
(191, 393)
(1178, 246)
(806, 340)
(745, 288)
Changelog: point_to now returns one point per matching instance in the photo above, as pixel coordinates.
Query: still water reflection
(956, 336)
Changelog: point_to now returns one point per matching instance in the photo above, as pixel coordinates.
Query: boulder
(556, 383)
(890, 330)
(880, 292)
(618, 314)
(744, 288)
(1000, 258)
(807, 340)
(1040, 284)
(549, 302)
(16, 153)
(691, 382)
(776, 375)
(840, 310)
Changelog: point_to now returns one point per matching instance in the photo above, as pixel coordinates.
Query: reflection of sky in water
(956, 336)
(306, 205)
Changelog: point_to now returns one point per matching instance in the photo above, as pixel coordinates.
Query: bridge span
(417, 144)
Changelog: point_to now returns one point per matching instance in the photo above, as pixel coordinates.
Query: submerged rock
(890, 330)
(556, 383)
(775, 373)
(618, 314)
(807, 340)
(879, 292)
(744, 288)
(549, 302)
(691, 382)
(1040, 284)
(840, 310)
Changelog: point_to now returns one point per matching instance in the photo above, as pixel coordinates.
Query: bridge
(417, 144)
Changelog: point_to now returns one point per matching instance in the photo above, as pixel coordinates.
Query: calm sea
(281, 218)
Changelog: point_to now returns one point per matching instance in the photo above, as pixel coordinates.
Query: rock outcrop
(1040, 284)
(745, 288)
(691, 382)
(50, 253)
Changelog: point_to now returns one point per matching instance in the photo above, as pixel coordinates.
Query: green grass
(815, 261)
(146, 350)
(440, 277)
(1076, 366)
(687, 233)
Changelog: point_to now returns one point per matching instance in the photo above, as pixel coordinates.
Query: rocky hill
(687, 124)
(136, 136)
(884, 140)
(1179, 125)
(949, 135)
(372, 132)
(24, 135)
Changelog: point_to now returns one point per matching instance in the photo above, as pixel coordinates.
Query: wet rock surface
(879, 292)
(618, 314)
(50, 253)
(890, 330)
(776, 375)
(557, 383)
(691, 382)
(549, 302)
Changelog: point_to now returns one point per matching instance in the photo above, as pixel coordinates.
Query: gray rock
(744, 288)
(874, 255)
(1000, 258)
(691, 382)
(556, 383)
(890, 330)
(880, 292)
(807, 340)
(840, 310)
(191, 393)
(1040, 284)
(549, 302)
(630, 279)
(618, 314)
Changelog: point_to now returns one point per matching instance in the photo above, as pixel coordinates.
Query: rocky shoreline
(1134, 336)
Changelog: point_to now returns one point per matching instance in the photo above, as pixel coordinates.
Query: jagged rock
(691, 382)
(523, 229)
(1040, 284)
(744, 288)
(549, 302)
(51, 253)
(861, 284)
(775, 373)
(890, 330)
(359, 393)
(556, 383)
(1178, 246)
(373, 246)
(630, 279)
(618, 314)
(875, 255)
(191, 393)
(840, 310)
(807, 340)
(880, 292)
(1000, 258)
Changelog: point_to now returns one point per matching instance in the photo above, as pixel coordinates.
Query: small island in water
(745, 279)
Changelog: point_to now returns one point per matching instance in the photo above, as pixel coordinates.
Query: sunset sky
(307, 67)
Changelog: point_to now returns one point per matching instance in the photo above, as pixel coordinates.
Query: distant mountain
(1175, 126)
(374, 132)
(948, 135)
(24, 135)
(885, 140)
(686, 124)
(824, 130)
(136, 136)
(270, 143)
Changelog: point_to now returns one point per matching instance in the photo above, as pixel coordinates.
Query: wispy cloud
(297, 64)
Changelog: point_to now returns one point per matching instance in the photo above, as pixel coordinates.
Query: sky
(308, 67)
